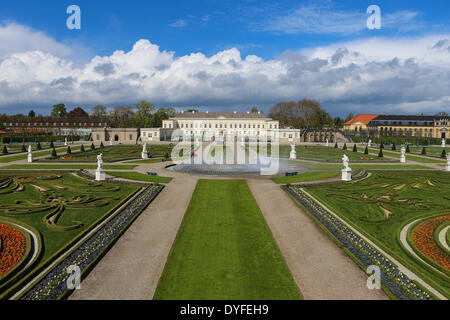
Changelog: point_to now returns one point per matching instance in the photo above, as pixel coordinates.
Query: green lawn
(151, 160)
(115, 153)
(139, 176)
(225, 250)
(70, 166)
(383, 204)
(17, 157)
(305, 177)
(313, 166)
(28, 197)
(397, 154)
(329, 154)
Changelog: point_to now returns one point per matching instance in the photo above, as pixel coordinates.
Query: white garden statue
(144, 154)
(293, 154)
(403, 156)
(327, 144)
(110, 142)
(447, 167)
(30, 154)
(443, 143)
(369, 144)
(65, 141)
(347, 171)
(100, 173)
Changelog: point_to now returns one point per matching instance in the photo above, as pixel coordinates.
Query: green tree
(424, 151)
(59, 110)
(69, 151)
(5, 150)
(54, 154)
(366, 151)
(350, 116)
(92, 146)
(344, 147)
(254, 110)
(407, 149)
(39, 147)
(355, 149)
(32, 114)
(380, 154)
(122, 117)
(144, 112)
(82, 148)
(443, 154)
(99, 111)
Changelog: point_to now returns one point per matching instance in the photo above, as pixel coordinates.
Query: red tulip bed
(13, 246)
(423, 239)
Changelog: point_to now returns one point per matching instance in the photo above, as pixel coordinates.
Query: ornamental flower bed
(13, 245)
(423, 239)
(54, 284)
(391, 277)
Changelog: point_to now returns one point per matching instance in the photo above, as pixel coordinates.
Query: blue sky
(277, 32)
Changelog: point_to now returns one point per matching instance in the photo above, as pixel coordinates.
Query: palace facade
(402, 125)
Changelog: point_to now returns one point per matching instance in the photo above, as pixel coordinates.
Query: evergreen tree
(424, 151)
(344, 147)
(382, 146)
(39, 147)
(355, 149)
(23, 148)
(101, 145)
(166, 155)
(380, 154)
(52, 145)
(69, 151)
(393, 147)
(407, 149)
(443, 154)
(82, 148)
(54, 154)
(5, 150)
(92, 146)
(366, 151)
(336, 145)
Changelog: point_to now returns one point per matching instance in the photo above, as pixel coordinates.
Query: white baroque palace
(208, 125)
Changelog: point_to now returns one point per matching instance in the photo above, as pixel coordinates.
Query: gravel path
(132, 268)
(320, 268)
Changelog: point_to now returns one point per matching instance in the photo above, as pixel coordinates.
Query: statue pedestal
(144, 155)
(293, 155)
(100, 175)
(346, 174)
(403, 159)
(30, 158)
(447, 167)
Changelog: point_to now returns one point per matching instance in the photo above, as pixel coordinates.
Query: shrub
(424, 151)
(344, 147)
(366, 151)
(101, 145)
(92, 146)
(355, 149)
(336, 145)
(166, 155)
(23, 148)
(407, 149)
(382, 146)
(69, 151)
(39, 147)
(5, 150)
(443, 154)
(54, 154)
(82, 148)
(52, 145)
(393, 147)
(380, 154)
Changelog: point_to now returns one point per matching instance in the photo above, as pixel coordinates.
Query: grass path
(225, 250)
